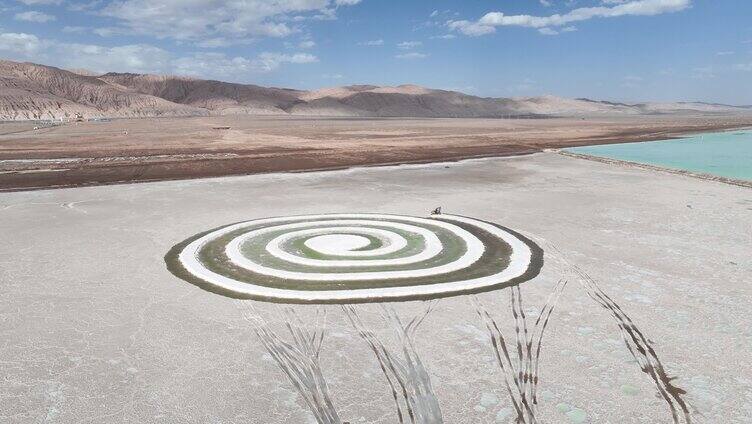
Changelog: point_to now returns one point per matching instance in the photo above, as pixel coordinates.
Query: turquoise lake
(724, 154)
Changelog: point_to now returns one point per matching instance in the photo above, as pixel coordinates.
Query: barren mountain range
(37, 92)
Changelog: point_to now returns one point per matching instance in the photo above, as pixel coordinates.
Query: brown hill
(404, 101)
(30, 91)
(216, 96)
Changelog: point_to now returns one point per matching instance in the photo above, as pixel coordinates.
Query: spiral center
(337, 244)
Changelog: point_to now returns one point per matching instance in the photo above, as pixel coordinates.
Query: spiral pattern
(343, 258)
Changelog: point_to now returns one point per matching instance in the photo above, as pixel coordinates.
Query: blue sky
(624, 50)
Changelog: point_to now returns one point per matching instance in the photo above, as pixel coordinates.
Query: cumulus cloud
(211, 19)
(219, 65)
(488, 23)
(307, 44)
(20, 44)
(411, 55)
(271, 61)
(142, 58)
(34, 16)
(129, 58)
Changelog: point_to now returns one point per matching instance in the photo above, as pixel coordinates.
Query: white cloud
(212, 65)
(307, 44)
(746, 67)
(551, 31)
(80, 7)
(407, 45)
(211, 19)
(378, 42)
(546, 3)
(219, 65)
(141, 58)
(129, 58)
(411, 55)
(213, 43)
(443, 37)
(23, 45)
(488, 23)
(271, 61)
(472, 29)
(726, 53)
(34, 16)
(434, 14)
(37, 2)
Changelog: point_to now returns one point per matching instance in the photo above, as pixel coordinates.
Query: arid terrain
(148, 149)
(62, 128)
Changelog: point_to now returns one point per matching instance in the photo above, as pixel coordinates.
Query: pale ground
(94, 329)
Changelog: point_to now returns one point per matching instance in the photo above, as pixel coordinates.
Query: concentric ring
(347, 258)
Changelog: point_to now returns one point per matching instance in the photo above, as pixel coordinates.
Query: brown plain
(151, 149)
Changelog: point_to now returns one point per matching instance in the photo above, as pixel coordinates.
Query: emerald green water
(724, 154)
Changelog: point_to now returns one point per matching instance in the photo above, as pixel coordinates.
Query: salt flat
(94, 328)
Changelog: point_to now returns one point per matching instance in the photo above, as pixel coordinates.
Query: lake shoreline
(630, 164)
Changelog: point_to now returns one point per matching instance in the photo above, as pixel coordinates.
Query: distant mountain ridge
(37, 92)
